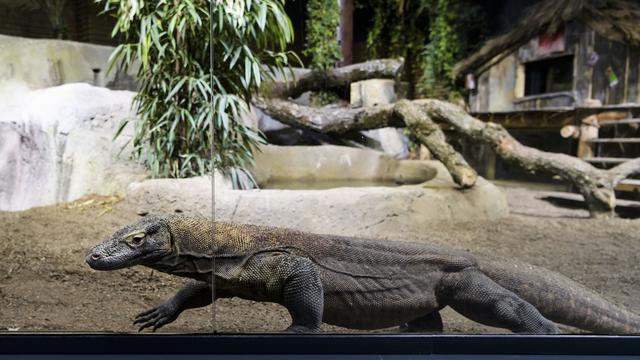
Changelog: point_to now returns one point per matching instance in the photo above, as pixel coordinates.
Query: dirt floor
(46, 286)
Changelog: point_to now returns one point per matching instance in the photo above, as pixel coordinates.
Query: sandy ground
(45, 285)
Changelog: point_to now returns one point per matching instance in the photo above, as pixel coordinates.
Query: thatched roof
(617, 20)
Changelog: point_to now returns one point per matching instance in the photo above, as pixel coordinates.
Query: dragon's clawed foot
(300, 329)
(157, 316)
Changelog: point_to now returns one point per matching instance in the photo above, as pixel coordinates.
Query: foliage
(456, 30)
(432, 35)
(398, 30)
(322, 98)
(442, 51)
(179, 96)
(321, 41)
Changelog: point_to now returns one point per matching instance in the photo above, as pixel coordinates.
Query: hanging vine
(432, 35)
(321, 42)
(442, 51)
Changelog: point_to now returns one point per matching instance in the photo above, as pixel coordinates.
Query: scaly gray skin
(350, 282)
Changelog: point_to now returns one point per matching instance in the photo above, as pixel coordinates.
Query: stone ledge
(366, 211)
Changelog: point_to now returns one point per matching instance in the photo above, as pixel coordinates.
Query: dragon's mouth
(99, 262)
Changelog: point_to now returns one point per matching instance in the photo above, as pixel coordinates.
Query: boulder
(363, 211)
(56, 145)
(41, 63)
(344, 210)
(374, 92)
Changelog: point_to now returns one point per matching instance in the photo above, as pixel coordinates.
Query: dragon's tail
(561, 299)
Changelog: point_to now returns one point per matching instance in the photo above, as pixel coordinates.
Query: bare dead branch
(336, 78)
(430, 134)
(329, 119)
(339, 120)
(596, 185)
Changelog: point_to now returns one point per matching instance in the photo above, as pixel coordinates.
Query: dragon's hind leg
(476, 296)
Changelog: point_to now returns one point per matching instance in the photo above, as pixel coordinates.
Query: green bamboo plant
(179, 95)
(321, 42)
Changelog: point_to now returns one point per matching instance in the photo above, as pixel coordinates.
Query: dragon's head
(140, 243)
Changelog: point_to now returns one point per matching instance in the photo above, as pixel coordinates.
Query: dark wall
(297, 11)
(506, 13)
(620, 59)
(83, 21)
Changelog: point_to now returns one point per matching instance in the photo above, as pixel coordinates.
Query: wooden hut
(562, 53)
(567, 64)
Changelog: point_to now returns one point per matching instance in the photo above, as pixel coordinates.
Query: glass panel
(357, 187)
(368, 216)
(87, 120)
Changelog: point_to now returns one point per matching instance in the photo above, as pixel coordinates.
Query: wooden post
(588, 130)
(346, 31)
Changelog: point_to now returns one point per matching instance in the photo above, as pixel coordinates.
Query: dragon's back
(342, 253)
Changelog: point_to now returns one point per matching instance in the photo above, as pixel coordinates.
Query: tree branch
(623, 171)
(328, 119)
(596, 185)
(340, 120)
(341, 77)
(430, 134)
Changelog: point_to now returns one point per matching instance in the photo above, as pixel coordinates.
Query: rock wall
(41, 63)
(56, 144)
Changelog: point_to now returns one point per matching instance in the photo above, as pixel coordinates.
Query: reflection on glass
(367, 191)
(84, 123)
(398, 239)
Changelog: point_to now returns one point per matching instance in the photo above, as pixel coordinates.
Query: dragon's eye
(137, 239)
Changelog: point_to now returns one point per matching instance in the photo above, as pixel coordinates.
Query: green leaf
(247, 72)
(175, 89)
(262, 16)
(170, 50)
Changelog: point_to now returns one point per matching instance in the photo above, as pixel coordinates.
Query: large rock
(374, 92)
(41, 63)
(367, 211)
(364, 211)
(57, 145)
(329, 163)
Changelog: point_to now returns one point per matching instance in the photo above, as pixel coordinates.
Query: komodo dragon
(350, 282)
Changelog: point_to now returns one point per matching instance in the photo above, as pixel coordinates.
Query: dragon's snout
(93, 258)
(97, 259)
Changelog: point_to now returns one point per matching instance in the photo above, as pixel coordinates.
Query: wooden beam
(620, 122)
(346, 31)
(535, 119)
(616, 140)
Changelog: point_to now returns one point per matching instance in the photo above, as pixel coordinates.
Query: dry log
(329, 119)
(336, 78)
(339, 120)
(430, 134)
(595, 185)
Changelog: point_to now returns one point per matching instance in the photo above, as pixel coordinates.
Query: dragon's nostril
(95, 256)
